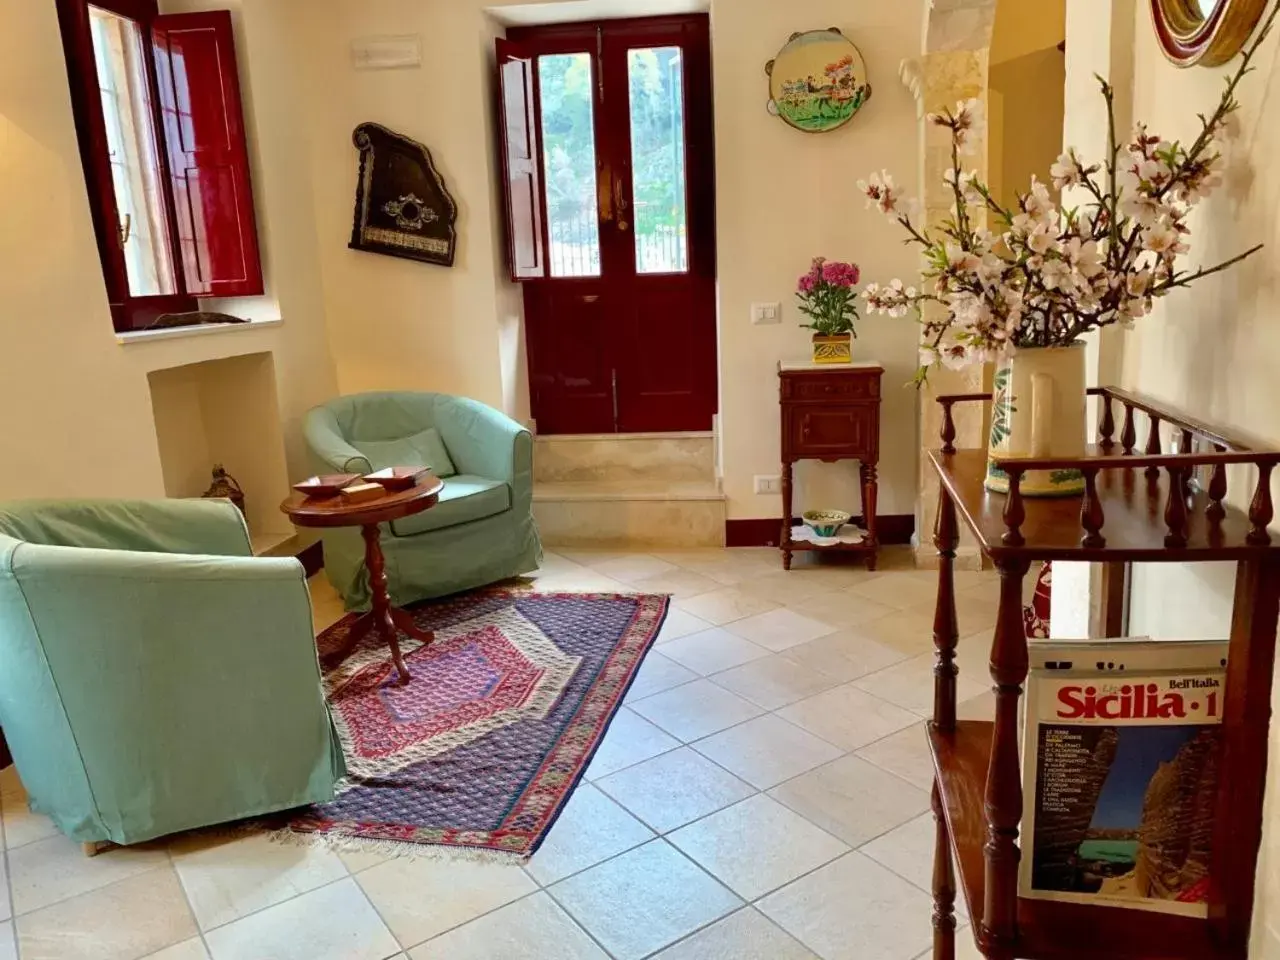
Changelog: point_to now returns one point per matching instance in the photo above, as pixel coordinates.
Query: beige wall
(786, 196)
(394, 323)
(1027, 136)
(76, 407)
(1026, 26)
(1210, 350)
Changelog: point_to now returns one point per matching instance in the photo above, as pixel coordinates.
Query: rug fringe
(342, 843)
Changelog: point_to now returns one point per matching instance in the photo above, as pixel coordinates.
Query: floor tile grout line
(8, 884)
(186, 896)
(374, 907)
(577, 923)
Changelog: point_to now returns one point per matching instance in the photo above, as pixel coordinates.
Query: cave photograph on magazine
(1124, 812)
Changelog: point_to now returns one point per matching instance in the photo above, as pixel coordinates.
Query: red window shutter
(208, 158)
(519, 129)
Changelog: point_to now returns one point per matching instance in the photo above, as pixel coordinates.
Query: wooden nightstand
(830, 412)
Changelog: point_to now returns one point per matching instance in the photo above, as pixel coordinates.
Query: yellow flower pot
(834, 349)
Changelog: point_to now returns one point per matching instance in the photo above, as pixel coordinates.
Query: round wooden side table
(307, 511)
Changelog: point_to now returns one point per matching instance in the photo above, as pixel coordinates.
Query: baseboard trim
(312, 558)
(893, 529)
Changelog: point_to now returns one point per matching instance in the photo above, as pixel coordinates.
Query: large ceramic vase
(1038, 410)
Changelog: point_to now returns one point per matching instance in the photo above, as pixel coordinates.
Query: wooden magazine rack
(1148, 507)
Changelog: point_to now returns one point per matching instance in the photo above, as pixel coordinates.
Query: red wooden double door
(611, 201)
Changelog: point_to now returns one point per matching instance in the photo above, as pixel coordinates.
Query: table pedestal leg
(385, 618)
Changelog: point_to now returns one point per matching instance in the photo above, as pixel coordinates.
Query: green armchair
(480, 532)
(154, 675)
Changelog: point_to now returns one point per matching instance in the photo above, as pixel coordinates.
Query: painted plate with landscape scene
(818, 81)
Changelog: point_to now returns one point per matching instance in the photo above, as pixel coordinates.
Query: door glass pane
(131, 145)
(569, 149)
(656, 78)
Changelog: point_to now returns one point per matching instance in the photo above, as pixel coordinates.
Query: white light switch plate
(765, 485)
(765, 313)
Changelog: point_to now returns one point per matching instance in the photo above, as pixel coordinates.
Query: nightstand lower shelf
(1048, 930)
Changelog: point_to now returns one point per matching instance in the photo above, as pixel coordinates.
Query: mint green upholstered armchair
(154, 675)
(480, 532)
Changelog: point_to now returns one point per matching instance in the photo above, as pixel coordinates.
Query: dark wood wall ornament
(402, 206)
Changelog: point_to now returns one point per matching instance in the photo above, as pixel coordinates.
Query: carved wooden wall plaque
(402, 206)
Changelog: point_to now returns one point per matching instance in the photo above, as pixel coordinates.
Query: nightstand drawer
(831, 386)
(838, 430)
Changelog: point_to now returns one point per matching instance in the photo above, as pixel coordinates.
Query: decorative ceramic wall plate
(818, 81)
(1207, 32)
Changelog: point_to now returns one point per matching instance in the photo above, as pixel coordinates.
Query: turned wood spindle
(1175, 510)
(1217, 491)
(1014, 510)
(944, 884)
(948, 427)
(1129, 435)
(946, 630)
(1091, 516)
(1188, 445)
(1261, 511)
(1107, 425)
(1003, 796)
(1153, 446)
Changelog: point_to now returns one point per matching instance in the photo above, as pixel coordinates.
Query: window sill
(175, 333)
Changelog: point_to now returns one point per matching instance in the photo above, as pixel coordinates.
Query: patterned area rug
(480, 751)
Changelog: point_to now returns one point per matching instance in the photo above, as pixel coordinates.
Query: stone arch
(952, 66)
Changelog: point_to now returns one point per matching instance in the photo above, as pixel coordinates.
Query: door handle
(620, 202)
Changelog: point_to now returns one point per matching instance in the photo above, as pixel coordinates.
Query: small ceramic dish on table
(394, 479)
(326, 485)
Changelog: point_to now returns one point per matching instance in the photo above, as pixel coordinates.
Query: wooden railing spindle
(948, 427)
(1107, 424)
(1129, 435)
(1153, 446)
(946, 631)
(1175, 510)
(1014, 510)
(1217, 491)
(944, 884)
(1003, 795)
(1261, 511)
(1091, 516)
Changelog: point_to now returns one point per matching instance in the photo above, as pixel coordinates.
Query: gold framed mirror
(1204, 32)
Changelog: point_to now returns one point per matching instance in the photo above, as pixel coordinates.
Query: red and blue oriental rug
(479, 752)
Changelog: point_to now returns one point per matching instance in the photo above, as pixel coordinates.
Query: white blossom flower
(1163, 238)
(881, 192)
(1066, 171)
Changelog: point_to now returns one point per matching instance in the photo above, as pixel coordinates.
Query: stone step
(638, 512)
(590, 458)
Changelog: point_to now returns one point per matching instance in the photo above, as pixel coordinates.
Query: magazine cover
(1120, 763)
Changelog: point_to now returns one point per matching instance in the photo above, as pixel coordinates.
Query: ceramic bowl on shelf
(825, 523)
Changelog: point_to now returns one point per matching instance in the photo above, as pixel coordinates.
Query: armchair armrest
(487, 443)
(329, 449)
(157, 526)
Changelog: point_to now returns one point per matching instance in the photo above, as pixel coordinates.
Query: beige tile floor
(762, 795)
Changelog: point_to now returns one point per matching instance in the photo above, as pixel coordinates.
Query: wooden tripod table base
(391, 621)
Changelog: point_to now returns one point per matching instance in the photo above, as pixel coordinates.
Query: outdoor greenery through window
(656, 79)
(569, 149)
